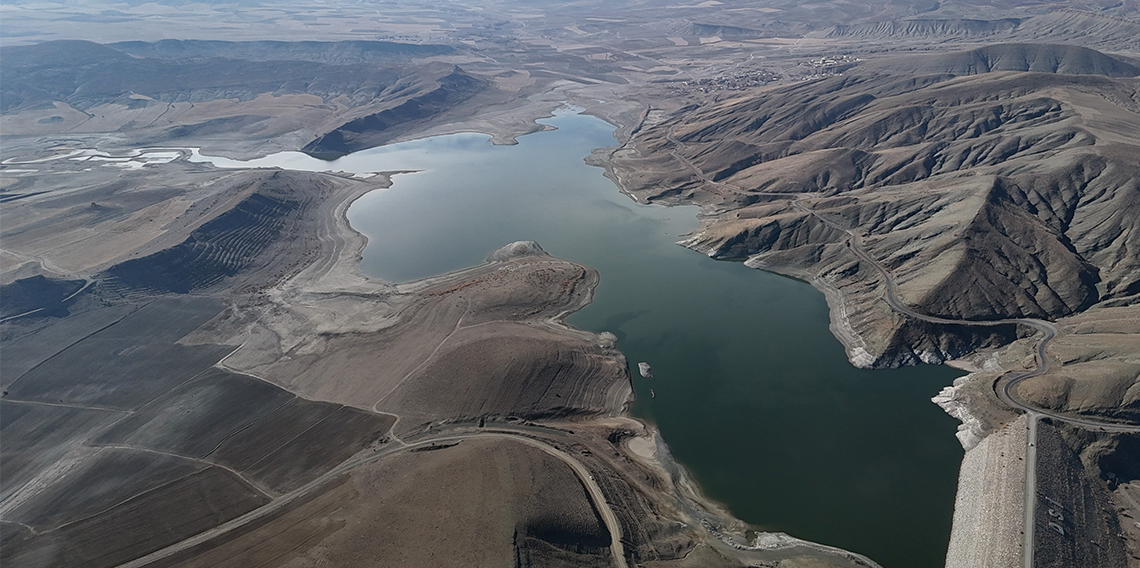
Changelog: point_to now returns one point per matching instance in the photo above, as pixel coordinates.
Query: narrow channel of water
(751, 391)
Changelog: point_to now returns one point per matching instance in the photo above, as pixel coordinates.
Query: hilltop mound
(1038, 58)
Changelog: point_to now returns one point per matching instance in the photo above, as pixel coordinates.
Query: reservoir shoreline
(727, 273)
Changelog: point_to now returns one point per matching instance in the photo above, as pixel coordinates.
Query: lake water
(752, 392)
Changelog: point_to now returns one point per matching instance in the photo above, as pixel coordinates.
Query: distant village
(810, 69)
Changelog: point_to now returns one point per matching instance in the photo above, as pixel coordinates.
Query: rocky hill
(1090, 29)
(925, 28)
(333, 96)
(413, 100)
(85, 74)
(1065, 59)
(991, 195)
(1062, 26)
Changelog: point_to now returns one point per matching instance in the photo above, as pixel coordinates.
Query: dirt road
(501, 432)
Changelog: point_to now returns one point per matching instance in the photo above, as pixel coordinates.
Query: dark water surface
(752, 392)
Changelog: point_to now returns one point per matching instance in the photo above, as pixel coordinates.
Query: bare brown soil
(496, 503)
(284, 364)
(142, 523)
(483, 345)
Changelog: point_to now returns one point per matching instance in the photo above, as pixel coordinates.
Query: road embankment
(988, 512)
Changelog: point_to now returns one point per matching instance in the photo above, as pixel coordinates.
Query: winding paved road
(1028, 523)
(1003, 387)
(1005, 384)
(595, 492)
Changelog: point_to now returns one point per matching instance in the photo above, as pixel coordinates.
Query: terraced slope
(216, 250)
(248, 239)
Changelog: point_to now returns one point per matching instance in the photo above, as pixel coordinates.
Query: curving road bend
(595, 492)
(1002, 387)
(1005, 384)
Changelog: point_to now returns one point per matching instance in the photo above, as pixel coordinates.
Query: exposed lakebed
(750, 390)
